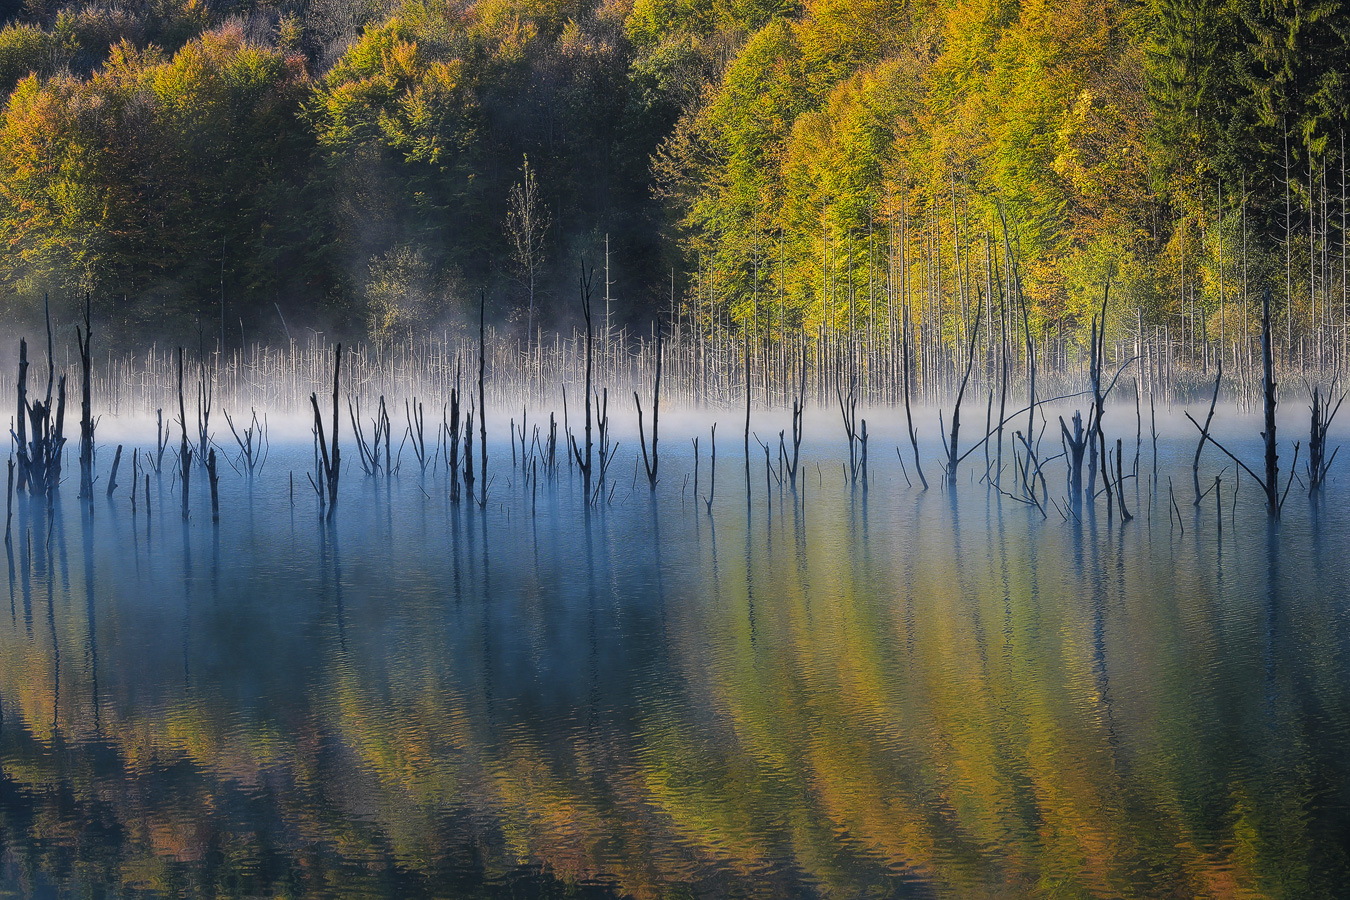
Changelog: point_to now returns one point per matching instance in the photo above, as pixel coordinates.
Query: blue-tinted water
(842, 693)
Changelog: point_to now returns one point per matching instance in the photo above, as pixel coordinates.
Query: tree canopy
(187, 164)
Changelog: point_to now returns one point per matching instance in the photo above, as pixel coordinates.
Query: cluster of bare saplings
(833, 372)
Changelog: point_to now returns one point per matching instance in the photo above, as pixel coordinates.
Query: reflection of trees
(996, 767)
(996, 724)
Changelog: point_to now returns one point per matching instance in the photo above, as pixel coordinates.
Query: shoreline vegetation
(241, 173)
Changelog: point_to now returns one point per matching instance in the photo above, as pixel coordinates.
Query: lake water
(846, 694)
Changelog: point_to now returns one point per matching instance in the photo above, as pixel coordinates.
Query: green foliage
(405, 295)
(147, 178)
(763, 146)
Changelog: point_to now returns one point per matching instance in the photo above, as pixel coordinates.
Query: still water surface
(890, 693)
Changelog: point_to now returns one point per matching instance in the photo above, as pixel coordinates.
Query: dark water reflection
(890, 694)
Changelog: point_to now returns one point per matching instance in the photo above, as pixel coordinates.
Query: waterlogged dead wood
(584, 463)
(694, 441)
(863, 444)
(482, 398)
(523, 457)
(21, 419)
(950, 444)
(747, 413)
(369, 451)
(205, 390)
(1075, 444)
(798, 412)
(1120, 481)
(254, 445)
(468, 451)
(1096, 438)
(1204, 435)
(39, 457)
(9, 500)
(551, 451)
(213, 479)
(416, 432)
(848, 410)
(161, 441)
(84, 339)
(1318, 462)
(1097, 453)
(652, 464)
(184, 452)
(451, 431)
(1270, 484)
(112, 477)
(606, 450)
(909, 418)
(1026, 325)
(1268, 393)
(331, 461)
(712, 476)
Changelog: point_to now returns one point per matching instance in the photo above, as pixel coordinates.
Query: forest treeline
(368, 167)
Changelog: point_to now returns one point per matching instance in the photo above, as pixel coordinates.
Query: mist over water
(846, 692)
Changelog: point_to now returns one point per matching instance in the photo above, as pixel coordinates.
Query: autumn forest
(244, 170)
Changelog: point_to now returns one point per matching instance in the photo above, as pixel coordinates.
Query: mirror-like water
(889, 693)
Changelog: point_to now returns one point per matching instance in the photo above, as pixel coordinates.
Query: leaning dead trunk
(651, 465)
(1204, 435)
